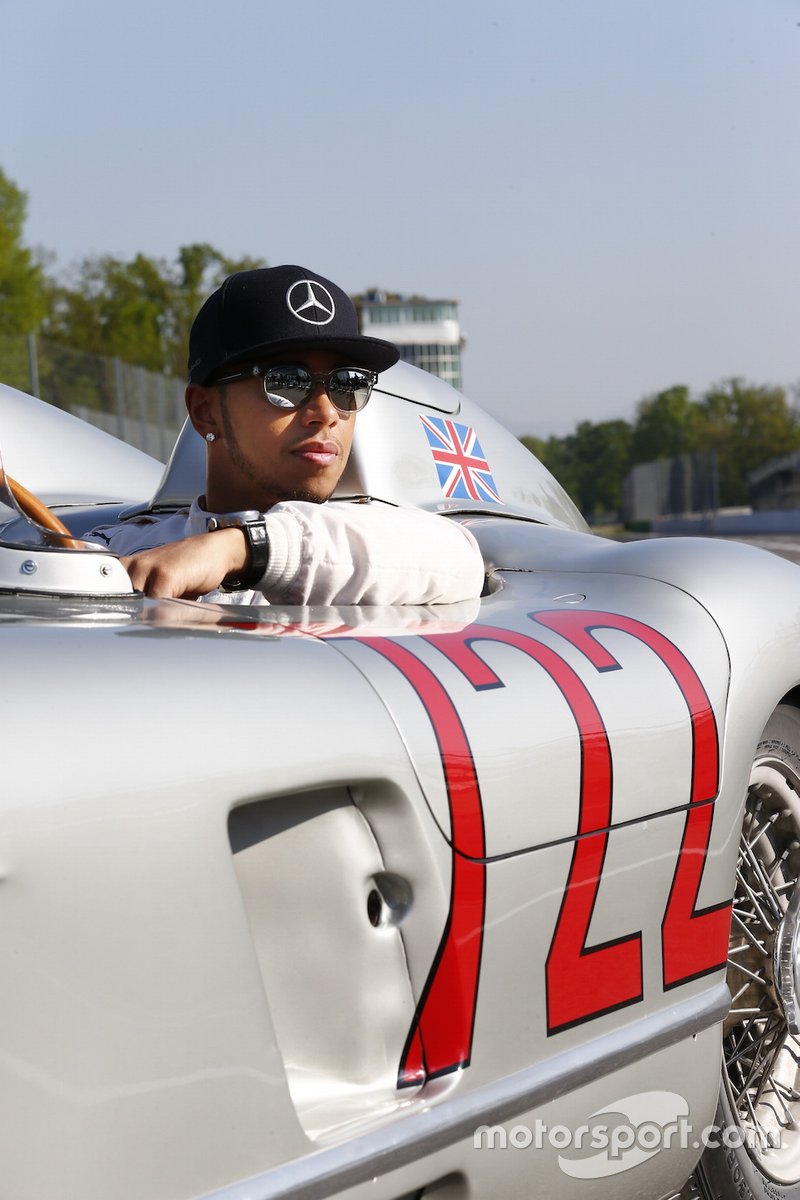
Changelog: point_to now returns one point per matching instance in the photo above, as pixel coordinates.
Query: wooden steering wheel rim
(38, 511)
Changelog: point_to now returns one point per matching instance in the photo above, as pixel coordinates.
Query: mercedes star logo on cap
(309, 301)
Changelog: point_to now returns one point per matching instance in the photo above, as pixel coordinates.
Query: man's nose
(318, 408)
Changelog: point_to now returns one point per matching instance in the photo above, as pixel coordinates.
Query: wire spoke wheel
(759, 1110)
(761, 1056)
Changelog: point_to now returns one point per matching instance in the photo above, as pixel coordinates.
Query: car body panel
(294, 902)
(209, 1019)
(519, 683)
(64, 460)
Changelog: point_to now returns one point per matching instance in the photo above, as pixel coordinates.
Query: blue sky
(611, 188)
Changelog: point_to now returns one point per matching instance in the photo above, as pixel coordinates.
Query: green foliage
(603, 454)
(113, 309)
(590, 464)
(665, 425)
(744, 424)
(139, 311)
(199, 270)
(23, 300)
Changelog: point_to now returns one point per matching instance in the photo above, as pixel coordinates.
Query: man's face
(264, 454)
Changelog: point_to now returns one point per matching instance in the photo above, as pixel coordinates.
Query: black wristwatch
(254, 527)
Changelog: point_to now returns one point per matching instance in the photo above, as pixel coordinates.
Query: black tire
(758, 1115)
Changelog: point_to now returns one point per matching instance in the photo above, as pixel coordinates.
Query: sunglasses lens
(289, 387)
(349, 389)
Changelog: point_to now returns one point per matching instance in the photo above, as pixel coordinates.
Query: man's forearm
(368, 554)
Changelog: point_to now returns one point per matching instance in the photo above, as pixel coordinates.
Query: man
(277, 373)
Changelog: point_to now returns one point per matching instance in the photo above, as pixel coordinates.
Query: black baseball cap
(272, 309)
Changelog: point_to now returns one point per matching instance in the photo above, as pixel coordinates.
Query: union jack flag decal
(464, 473)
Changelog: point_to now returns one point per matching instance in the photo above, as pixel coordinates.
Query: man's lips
(319, 454)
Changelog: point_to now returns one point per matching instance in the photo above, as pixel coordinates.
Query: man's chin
(306, 495)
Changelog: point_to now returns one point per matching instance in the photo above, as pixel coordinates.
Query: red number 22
(582, 981)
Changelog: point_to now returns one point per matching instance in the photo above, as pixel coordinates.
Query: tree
(200, 269)
(23, 299)
(746, 424)
(589, 464)
(603, 453)
(114, 308)
(734, 428)
(140, 311)
(665, 425)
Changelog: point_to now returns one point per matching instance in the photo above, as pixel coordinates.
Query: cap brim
(372, 353)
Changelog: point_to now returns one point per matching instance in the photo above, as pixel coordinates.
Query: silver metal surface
(280, 843)
(59, 572)
(332, 1170)
(65, 460)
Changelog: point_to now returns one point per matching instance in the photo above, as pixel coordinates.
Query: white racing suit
(339, 553)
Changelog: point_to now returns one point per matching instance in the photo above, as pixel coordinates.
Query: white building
(426, 332)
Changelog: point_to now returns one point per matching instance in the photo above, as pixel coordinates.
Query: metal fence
(141, 407)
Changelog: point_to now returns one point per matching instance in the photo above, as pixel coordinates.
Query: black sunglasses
(349, 388)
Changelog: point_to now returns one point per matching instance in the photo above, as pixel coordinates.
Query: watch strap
(254, 527)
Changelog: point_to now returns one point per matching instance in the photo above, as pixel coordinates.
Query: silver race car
(487, 900)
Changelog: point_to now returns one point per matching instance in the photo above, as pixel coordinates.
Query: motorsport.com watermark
(619, 1136)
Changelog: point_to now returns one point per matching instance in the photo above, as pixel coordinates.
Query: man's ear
(202, 404)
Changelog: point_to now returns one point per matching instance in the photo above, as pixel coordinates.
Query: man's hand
(189, 568)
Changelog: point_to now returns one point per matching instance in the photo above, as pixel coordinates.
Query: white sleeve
(368, 554)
